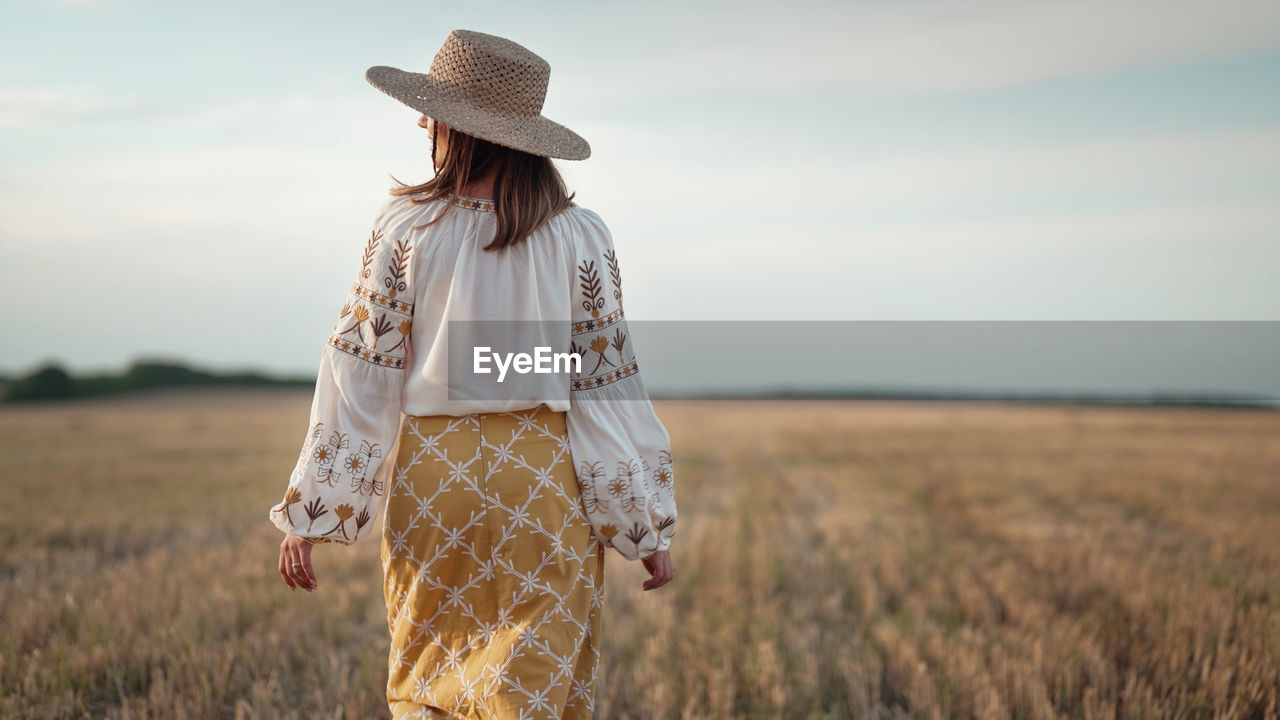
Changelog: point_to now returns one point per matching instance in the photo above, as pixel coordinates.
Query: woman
(501, 494)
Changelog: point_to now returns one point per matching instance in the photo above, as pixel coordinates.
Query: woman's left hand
(295, 563)
(661, 569)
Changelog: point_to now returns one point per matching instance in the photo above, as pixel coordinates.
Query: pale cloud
(908, 186)
(267, 113)
(244, 194)
(242, 190)
(79, 4)
(36, 107)
(1200, 260)
(40, 106)
(905, 48)
(975, 244)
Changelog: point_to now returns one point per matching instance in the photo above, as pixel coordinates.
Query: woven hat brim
(537, 135)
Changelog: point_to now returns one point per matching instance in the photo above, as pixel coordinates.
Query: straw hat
(489, 87)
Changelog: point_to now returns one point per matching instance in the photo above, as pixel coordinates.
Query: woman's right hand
(295, 563)
(661, 569)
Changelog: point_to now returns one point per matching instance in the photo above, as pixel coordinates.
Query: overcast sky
(195, 180)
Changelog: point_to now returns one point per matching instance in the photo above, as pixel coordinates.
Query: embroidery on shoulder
(589, 281)
(376, 309)
(370, 249)
(615, 274)
(394, 281)
(607, 354)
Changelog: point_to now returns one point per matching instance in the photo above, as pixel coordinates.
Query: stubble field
(834, 560)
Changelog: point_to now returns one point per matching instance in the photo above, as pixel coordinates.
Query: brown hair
(528, 190)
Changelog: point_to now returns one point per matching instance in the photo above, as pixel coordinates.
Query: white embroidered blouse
(386, 358)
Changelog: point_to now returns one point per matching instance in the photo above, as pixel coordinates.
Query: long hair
(528, 189)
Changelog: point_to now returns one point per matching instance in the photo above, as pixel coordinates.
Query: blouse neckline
(473, 203)
(470, 203)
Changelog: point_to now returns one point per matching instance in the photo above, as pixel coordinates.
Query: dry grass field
(835, 560)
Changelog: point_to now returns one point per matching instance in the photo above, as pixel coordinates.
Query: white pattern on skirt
(494, 580)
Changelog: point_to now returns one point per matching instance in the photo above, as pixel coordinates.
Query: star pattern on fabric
(460, 524)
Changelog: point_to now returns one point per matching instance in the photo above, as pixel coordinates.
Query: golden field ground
(834, 560)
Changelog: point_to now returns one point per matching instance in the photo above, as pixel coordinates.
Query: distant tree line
(51, 381)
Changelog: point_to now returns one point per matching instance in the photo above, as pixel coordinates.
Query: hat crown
(492, 72)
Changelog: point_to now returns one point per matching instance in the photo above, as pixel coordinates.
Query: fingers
(295, 575)
(295, 564)
(284, 564)
(298, 567)
(305, 550)
(661, 570)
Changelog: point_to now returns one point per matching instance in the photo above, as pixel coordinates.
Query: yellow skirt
(494, 582)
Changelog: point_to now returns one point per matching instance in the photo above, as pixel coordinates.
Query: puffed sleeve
(621, 450)
(348, 452)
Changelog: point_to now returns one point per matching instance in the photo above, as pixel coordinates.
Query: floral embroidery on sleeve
(606, 356)
(624, 468)
(335, 488)
(372, 313)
